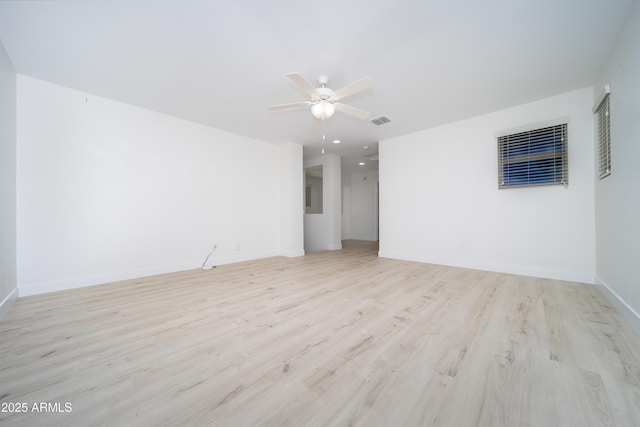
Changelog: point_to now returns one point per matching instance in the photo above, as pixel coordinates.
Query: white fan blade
(290, 105)
(353, 88)
(352, 111)
(304, 85)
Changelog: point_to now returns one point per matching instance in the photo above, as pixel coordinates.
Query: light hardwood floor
(335, 338)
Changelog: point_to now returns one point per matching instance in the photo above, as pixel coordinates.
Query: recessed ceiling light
(361, 163)
(366, 147)
(336, 141)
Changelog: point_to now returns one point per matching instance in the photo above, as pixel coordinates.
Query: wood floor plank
(334, 338)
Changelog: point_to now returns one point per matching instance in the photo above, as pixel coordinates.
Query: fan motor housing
(325, 92)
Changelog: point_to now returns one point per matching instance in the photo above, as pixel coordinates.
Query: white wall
(617, 197)
(292, 200)
(323, 231)
(332, 201)
(360, 210)
(440, 203)
(346, 214)
(108, 191)
(8, 279)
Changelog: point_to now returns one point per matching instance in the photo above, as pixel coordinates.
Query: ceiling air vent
(380, 120)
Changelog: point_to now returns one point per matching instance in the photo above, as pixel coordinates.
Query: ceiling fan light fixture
(324, 101)
(323, 109)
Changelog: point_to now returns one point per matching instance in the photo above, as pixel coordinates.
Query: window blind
(603, 143)
(536, 157)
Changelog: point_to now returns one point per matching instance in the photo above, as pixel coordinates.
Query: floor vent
(380, 120)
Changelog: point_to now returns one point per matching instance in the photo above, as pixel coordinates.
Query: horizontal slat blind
(536, 157)
(604, 138)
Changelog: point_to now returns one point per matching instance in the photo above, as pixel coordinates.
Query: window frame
(603, 136)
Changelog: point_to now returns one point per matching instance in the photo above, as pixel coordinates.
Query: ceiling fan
(324, 101)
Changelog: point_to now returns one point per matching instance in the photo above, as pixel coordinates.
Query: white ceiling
(221, 63)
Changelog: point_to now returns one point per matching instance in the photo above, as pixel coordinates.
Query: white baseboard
(627, 312)
(80, 282)
(293, 254)
(500, 268)
(6, 303)
(364, 238)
